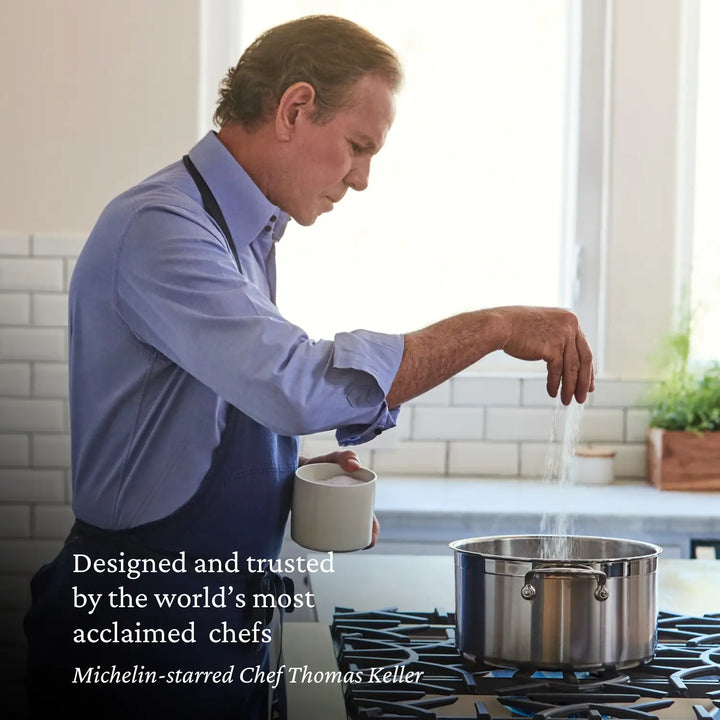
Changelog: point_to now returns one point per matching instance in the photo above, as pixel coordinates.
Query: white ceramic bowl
(592, 466)
(332, 517)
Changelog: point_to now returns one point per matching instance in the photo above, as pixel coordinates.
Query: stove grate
(685, 668)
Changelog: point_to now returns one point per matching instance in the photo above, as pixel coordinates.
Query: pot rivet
(528, 591)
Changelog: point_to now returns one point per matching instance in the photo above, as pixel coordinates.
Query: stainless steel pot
(520, 602)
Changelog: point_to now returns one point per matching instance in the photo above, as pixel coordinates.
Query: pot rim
(652, 549)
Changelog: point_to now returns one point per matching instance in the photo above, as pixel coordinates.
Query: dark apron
(241, 505)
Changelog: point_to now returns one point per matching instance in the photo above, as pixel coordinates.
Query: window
(466, 203)
(705, 269)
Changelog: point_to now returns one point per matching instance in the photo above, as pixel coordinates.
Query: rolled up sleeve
(377, 356)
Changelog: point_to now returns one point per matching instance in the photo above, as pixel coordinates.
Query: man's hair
(330, 53)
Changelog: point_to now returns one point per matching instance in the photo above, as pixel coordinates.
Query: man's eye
(356, 148)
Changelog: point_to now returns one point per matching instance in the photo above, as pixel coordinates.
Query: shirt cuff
(378, 356)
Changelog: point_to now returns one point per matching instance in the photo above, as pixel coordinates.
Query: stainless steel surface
(370, 580)
(517, 605)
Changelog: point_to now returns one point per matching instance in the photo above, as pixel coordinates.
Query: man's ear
(298, 100)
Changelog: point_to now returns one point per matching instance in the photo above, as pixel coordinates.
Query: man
(188, 388)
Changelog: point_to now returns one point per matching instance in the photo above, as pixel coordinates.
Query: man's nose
(359, 175)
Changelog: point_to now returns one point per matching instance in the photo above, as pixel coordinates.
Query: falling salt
(559, 527)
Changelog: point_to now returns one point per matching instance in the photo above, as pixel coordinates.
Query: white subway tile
(620, 393)
(14, 592)
(388, 439)
(541, 460)
(629, 460)
(402, 431)
(14, 379)
(14, 244)
(385, 441)
(14, 450)
(25, 485)
(534, 392)
(519, 423)
(438, 396)
(51, 451)
(483, 459)
(57, 244)
(323, 443)
(53, 521)
(19, 415)
(50, 309)
(547, 461)
(450, 423)
(50, 380)
(69, 269)
(14, 521)
(636, 425)
(27, 556)
(68, 486)
(602, 426)
(32, 344)
(31, 274)
(14, 308)
(469, 390)
(423, 458)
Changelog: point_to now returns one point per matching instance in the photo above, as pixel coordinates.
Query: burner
(407, 666)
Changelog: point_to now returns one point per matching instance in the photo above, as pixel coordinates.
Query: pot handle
(528, 590)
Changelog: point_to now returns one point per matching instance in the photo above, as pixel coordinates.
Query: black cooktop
(681, 682)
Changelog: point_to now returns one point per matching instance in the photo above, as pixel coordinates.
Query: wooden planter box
(678, 460)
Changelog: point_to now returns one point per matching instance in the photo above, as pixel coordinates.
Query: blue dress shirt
(164, 332)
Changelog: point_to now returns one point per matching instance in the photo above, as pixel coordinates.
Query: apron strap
(211, 206)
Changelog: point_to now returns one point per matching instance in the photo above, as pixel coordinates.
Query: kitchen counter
(428, 512)
(372, 580)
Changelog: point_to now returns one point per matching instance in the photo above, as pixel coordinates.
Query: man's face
(329, 158)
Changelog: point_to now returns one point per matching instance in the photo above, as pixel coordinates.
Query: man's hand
(552, 335)
(348, 461)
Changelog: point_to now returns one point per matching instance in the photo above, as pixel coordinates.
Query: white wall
(95, 96)
(643, 182)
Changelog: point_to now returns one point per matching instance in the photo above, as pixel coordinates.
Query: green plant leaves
(687, 400)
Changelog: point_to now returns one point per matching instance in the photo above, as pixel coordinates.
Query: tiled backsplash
(473, 425)
(501, 426)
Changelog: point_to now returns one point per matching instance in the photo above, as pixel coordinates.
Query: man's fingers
(348, 461)
(375, 533)
(571, 367)
(554, 375)
(586, 376)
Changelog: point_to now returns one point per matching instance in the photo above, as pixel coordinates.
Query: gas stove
(384, 651)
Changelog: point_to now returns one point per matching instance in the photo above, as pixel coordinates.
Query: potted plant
(683, 441)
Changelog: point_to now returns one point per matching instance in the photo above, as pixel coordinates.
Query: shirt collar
(247, 211)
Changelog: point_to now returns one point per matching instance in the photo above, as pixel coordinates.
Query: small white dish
(332, 517)
(592, 466)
